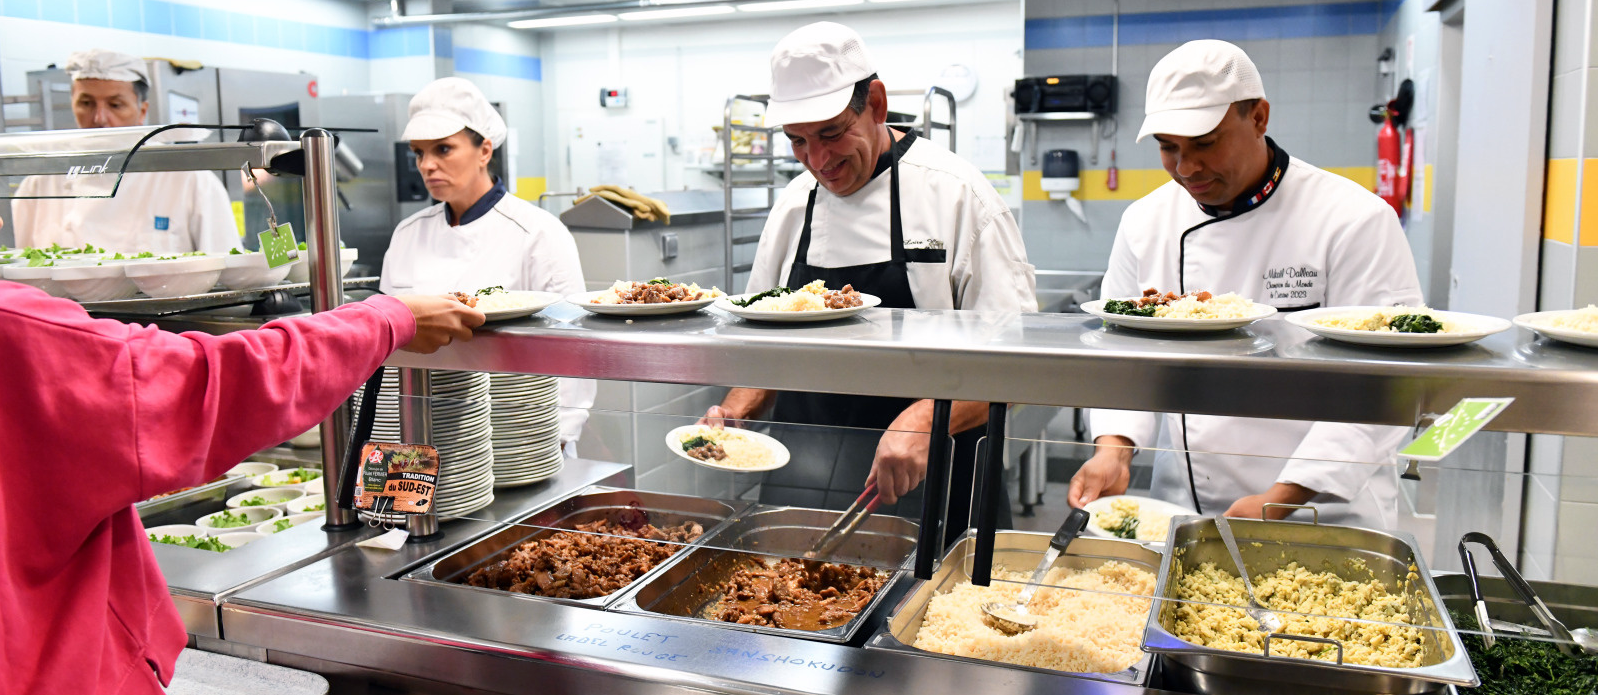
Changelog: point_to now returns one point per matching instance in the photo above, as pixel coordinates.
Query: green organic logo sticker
(1466, 418)
(279, 246)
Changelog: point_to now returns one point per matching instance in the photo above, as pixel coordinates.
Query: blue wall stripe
(168, 18)
(502, 64)
(1292, 22)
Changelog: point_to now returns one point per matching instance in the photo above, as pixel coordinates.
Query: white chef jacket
(162, 212)
(1320, 240)
(516, 245)
(945, 202)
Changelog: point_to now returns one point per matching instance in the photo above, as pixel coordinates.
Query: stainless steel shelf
(1270, 369)
(1058, 116)
(212, 156)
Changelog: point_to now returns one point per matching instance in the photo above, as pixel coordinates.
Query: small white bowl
(298, 505)
(248, 270)
(37, 276)
(177, 530)
(253, 468)
(301, 272)
(275, 498)
(176, 277)
(256, 515)
(270, 527)
(238, 539)
(278, 478)
(103, 282)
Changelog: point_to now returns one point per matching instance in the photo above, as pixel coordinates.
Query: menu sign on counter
(398, 478)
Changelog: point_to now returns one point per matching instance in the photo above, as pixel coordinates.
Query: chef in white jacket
(1241, 215)
(896, 216)
(163, 212)
(479, 236)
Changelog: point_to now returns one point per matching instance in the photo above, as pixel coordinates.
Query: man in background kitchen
(162, 212)
(896, 216)
(1240, 215)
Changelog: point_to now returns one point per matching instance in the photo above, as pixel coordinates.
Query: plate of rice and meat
(813, 302)
(727, 448)
(1397, 326)
(1574, 326)
(1171, 312)
(499, 304)
(653, 298)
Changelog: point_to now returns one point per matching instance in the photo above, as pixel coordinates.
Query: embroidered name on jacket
(1291, 283)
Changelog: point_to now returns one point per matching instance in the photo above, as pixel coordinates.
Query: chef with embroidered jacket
(896, 216)
(163, 212)
(1241, 215)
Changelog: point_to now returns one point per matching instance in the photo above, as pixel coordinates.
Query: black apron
(832, 459)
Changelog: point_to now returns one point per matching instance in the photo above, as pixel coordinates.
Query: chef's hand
(1107, 472)
(717, 417)
(900, 464)
(739, 404)
(1284, 493)
(440, 320)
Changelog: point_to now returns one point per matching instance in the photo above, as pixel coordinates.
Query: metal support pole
(929, 543)
(327, 292)
(416, 427)
(990, 475)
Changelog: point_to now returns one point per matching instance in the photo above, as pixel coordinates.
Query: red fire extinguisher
(1387, 166)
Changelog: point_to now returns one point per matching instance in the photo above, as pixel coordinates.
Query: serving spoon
(1269, 622)
(1013, 618)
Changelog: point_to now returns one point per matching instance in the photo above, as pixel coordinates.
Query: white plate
(1531, 322)
(586, 301)
(1151, 323)
(1149, 504)
(779, 453)
(867, 301)
(534, 303)
(1473, 327)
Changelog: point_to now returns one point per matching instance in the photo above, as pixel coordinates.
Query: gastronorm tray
(1014, 550)
(1573, 604)
(164, 306)
(682, 590)
(589, 504)
(217, 491)
(1351, 553)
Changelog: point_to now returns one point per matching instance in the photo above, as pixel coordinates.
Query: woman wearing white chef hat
(161, 212)
(478, 236)
(1240, 215)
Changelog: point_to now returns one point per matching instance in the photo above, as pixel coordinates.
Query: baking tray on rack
(688, 586)
(152, 306)
(1354, 554)
(584, 506)
(1013, 550)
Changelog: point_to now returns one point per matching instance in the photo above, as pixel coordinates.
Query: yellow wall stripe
(1136, 183)
(1589, 207)
(1430, 177)
(1559, 201)
(530, 187)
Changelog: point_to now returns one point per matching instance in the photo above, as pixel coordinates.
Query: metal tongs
(846, 525)
(1562, 636)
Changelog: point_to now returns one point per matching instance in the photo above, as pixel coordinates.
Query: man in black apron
(832, 107)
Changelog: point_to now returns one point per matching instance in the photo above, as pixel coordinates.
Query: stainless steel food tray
(1573, 604)
(1269, 545)
(1015, 550)
(218, 491)
(152, 306)
(584, 506)
(682, 590)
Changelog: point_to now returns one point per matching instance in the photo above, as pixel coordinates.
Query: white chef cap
(100, 64)
(446, 106)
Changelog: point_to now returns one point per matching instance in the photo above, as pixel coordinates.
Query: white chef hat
(813, 73)
(1192, 87)
(100, 64)
(446, 106)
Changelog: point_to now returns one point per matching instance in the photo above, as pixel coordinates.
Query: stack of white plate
(462, 433)
(526, 424)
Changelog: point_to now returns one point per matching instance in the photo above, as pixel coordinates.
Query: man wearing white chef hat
(1240, 215)
(898, 217)
(479, 236)
(162, 212)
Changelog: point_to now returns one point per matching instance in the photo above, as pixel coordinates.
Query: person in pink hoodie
(96, 415)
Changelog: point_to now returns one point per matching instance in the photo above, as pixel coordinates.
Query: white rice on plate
(503, 301)
(1584, 320)
(742, 451)
(1379, 320)
(1220, 306)
(807, 298)
(1151, 525)
(1085, 631)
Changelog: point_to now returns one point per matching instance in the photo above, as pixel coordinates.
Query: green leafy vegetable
(1514, 666)
(1126, 308)
(294, 477)
(145, 254)
(231, 252)
(229, 519)
(1415, 323)
(255, 501)
(40, 263)
(206, 543)
(660, 281)
(1126, 529)
(773, 292)
(695, 443)
(282, 525)
(320, 506)
(496, 289)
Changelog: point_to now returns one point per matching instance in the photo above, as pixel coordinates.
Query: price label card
(1454, 427)
(279, 246)
(402, 477)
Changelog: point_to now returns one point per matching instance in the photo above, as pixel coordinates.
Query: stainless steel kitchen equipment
(1014, 550)
(1353, 554)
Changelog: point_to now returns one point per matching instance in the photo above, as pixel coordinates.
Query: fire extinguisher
(1387, 154)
